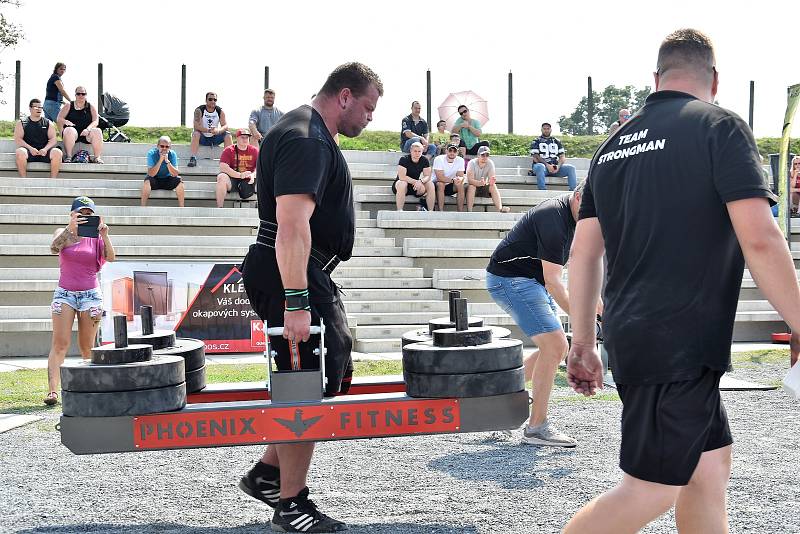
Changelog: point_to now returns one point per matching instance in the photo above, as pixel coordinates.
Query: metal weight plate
(465, 385)
(195, 380)
(445, 322)
(426, 358)
(159, 339)
(119, 403)
(109, 354)
(193, 352)
(161, 371)
(474, 335)
(417, 336)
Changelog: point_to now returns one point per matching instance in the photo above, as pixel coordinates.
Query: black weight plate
(195, 380)
(159, 339)
(499, 355)
(417, 336)
(474, 335)
(161, 371)
(119, 403)
(472, 385)
(444, 322)
(109, 354)
(193, 352)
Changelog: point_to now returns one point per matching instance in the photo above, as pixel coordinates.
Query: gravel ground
(471, 483)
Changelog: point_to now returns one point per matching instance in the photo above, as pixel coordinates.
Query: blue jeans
(526, 301)
(51, 109)
(408, 142)
(567, 170)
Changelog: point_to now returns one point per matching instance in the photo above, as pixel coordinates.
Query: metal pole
(510, 103)
(752, 101)
(17, 93)
(100, 88)
(266, 78)
(590, 107)
(183, 95)
(428, 82)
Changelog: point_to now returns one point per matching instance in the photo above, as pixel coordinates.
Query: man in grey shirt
(264, 118)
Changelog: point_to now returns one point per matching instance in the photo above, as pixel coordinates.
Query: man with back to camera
(677, 200)
(305, 203)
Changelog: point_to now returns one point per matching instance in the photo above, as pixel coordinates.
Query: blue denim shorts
(214, 140)
(90, 300)
(526, 301)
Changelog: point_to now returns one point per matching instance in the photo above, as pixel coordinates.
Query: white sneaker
(547, 435)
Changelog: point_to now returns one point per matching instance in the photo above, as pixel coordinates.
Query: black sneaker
(263, 483)
(300, 514)
(192, 162)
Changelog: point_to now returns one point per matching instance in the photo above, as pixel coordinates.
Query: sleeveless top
(81, 118)
(210, 120)
(35, 133)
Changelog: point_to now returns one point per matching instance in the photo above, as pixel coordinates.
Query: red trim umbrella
(478, 108)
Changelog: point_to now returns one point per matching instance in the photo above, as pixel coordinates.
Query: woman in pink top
(78, 293)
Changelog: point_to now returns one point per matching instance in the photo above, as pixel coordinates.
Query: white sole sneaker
(531, 440)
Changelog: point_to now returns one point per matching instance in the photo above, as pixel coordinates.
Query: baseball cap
(483, 150)
(242, 131)
(452, 145)
(82, 202)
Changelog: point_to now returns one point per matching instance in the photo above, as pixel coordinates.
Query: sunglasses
(36, 107)
(80, 94)
(212, 99)
(462, 111)
(163, 146)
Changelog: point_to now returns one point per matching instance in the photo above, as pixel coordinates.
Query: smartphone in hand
(90, 227)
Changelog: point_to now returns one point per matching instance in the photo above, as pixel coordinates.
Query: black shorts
(473, 150)
(269, 305)
(39, 159)
(169, 183)
(483, 191)
(450, 189)
(409, 191)
(81, 138)
(666, 427)
(243, 187)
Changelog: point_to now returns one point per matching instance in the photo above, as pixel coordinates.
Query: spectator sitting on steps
(261, 120)
(449, 176)
(482, 181)
(548, 159)
(441, 137)
(35, 138)
(237, 168)
(415, 130)
(78, 122)
(210, 127)
(470, 130)
(414, 178)
(162, 171)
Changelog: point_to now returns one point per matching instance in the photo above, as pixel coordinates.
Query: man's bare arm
(585, 279)
(552, 273)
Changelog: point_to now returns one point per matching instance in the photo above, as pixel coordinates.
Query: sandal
(505, 209)
(51, 399)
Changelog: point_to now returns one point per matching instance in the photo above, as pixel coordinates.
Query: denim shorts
(214, 140)
(89, 300)
(526, 301)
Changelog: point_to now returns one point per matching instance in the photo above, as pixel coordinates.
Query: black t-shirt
(299, 156)
(419, 128)
(548, 148)
(413, 170)
(658, 188)
(544, 233)
(35, 133)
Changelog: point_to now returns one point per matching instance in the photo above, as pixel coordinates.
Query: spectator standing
(415, 130)
(264, 118)
(78, 121)
(55, 93)
(414, 178)
(78, 292)
(35, 138)
(482, 181)
(548, 159)
(624, 115)
(237, 168)
(210, 127)
(162, 171)
(441, 137)
(470, 130)
(448, 172)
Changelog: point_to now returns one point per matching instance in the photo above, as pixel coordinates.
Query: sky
(551, 48)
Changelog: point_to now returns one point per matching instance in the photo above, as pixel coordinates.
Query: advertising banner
(206, 301)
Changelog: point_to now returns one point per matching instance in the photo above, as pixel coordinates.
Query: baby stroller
(115, 114)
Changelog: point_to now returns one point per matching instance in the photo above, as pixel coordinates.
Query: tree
(606, 109)
(10, 35)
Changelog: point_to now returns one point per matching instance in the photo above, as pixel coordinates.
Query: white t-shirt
(450, 169)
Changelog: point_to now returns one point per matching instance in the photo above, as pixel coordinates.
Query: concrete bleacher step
(385, 295)
(363, 283)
